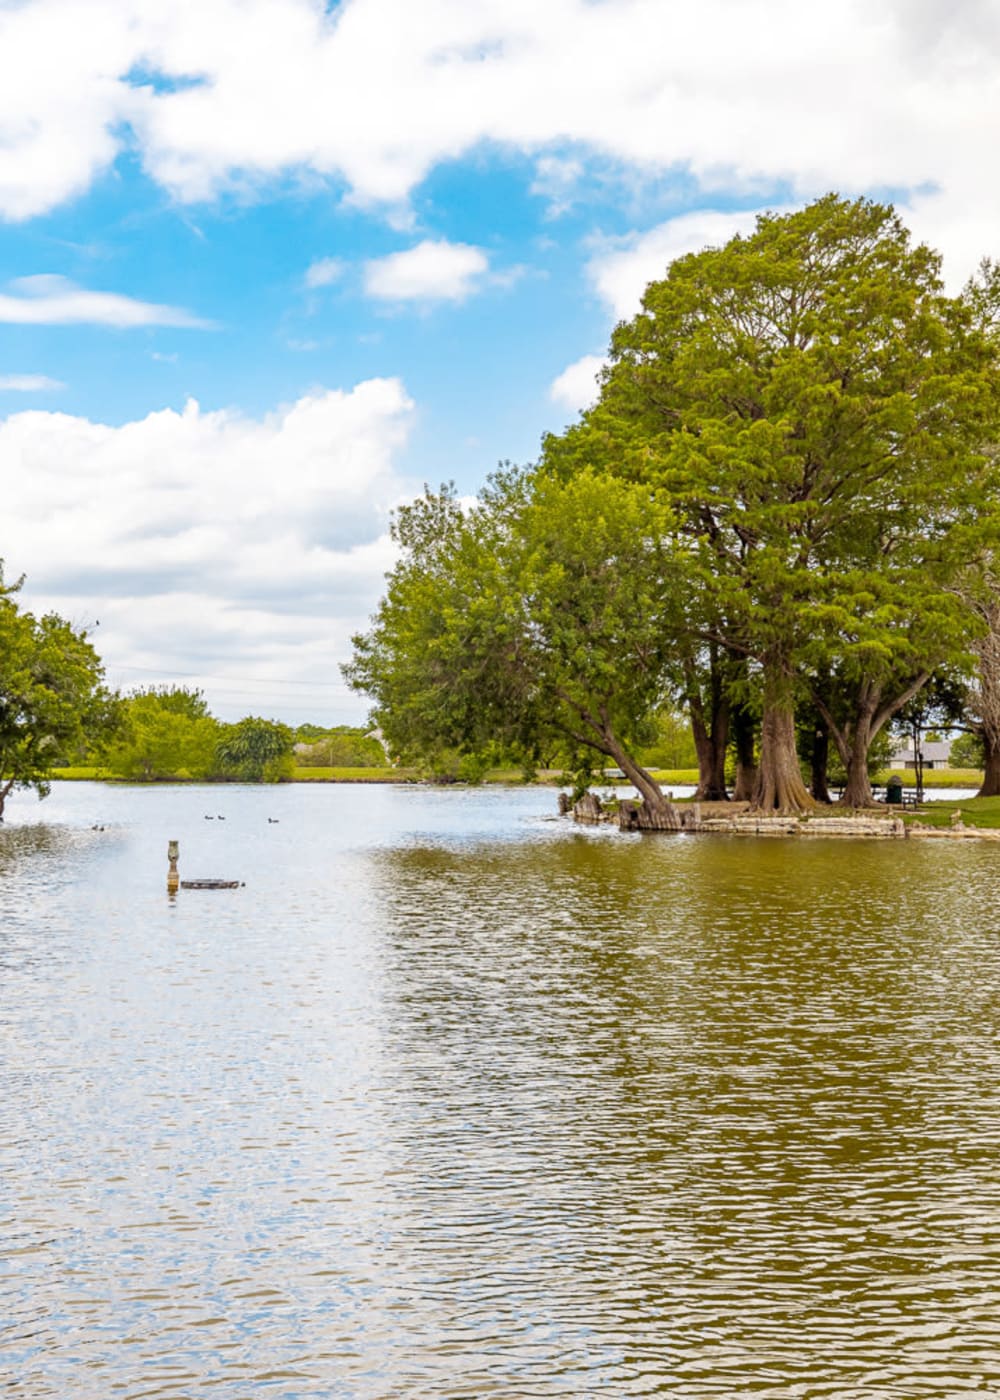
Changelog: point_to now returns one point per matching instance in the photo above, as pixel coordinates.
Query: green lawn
(976, 811)
(353, 775)
(302, 775)
(676, 777)
(935, 777)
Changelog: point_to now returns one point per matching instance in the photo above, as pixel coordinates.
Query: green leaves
(51, 695)
(165, 733)
(815, 410)
(255, 750)
(544, 611)
(790, 462)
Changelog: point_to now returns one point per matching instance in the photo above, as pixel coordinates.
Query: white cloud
(576, 388)
(556, 180)
(237, 550)
(29, 383)
(372, 94)
(48, 300)
(430, 271)
(620, 268)
(324, 272)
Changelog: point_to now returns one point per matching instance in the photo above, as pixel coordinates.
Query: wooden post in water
(173, 879)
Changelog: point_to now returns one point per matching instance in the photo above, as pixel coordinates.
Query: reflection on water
(18, 843)
(454, 1100)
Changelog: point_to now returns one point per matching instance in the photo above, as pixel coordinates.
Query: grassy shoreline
(936, 779)
(982, 812)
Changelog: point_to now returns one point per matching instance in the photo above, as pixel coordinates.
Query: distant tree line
(57, 712)
(167, 733)
(780, 516)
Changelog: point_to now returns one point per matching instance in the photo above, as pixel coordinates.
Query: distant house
(936, 754)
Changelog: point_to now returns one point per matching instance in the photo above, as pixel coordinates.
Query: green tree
(918, 625)
(814, 408)
(541, 614)
(967, 752)
(52, 696)
(166, 733)
(256, 750)
(178, 700)
(671, 744)
(344, 746)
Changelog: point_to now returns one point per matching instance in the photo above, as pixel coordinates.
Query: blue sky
(267, 266)
(480, 368)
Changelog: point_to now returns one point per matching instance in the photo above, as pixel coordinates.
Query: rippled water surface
(455, 1100)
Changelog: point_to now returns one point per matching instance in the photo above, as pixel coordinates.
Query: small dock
(212, 884)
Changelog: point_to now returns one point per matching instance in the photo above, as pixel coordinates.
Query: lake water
(457, 1100)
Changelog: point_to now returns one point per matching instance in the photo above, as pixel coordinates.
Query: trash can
(894, 790)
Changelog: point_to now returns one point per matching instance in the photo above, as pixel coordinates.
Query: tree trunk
(991, 777)
(640, 816)
(779, 786)
(711, 734)
(588, 809)
(819, 761)
(711, 749)
(5, 791)
(661, 815)
(744, 735)
(854, 738)
(858, 789)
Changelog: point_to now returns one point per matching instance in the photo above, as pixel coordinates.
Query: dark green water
(453, 1100)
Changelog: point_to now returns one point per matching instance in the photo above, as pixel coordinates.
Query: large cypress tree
(815, 409)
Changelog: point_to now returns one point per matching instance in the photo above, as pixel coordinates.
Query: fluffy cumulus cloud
(247, 550)
(620, 268)
(576, 388)
(741, 94)
(430, 271)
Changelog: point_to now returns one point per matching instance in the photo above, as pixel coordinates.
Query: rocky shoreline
(733, 819)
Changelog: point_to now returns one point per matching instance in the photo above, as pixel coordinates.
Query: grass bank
(937, 779)
(93, 774)
(679, 777)
(976, 811)
(934, 777)
(354, 775)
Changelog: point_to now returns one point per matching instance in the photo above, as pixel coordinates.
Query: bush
(256, 751)
(163, 734)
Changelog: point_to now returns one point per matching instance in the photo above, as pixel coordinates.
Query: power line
(208, 676)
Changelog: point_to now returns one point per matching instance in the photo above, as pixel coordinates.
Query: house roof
(936, 751)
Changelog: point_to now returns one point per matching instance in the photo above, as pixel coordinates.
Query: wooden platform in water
(212, 884)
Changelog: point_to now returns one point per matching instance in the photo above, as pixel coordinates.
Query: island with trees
(781, 515)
